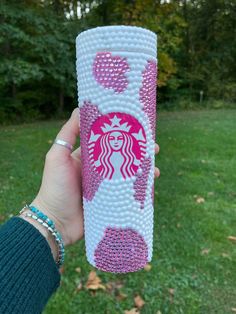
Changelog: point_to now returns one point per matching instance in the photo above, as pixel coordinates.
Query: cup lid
(117, 38)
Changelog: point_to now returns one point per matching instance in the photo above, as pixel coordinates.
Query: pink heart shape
(109, 71)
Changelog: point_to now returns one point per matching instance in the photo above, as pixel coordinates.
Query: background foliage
(196, 51)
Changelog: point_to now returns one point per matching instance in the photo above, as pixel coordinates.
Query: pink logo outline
(117, 145)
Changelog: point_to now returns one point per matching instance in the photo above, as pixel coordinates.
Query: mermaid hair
(126, 151)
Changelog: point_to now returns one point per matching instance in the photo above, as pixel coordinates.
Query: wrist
(49, 238)
(39, 203)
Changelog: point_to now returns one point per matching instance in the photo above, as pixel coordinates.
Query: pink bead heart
(109, 71)
(147, 93)
(91, 179)
(121, 250)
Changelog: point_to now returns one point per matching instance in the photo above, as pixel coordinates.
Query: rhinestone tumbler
(116, 70)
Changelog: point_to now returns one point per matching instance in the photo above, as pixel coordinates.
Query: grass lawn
(194, 263)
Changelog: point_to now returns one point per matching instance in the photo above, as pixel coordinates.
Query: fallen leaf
(233, 309)
(172, 291)
(109, 286)
(232, 238)
(93, 276)
(158, 312)
(148, 267)
(139, 302)
(114, 285)
(210, 193)
(79, 286)
(132, 311)
(62, 270)
(121, 296)
(205, 251)
(225, 255)
(96, 286)
(94, 282)
(49, 141)
(118, 284)
(78, 269)
(93, 293)
(178, 225)
(200, 200)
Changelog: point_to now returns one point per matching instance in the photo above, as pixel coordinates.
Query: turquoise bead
(58, 236)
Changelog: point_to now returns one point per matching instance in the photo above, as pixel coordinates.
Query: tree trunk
(188, 48)
(75, 9)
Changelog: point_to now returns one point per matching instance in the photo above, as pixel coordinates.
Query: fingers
(77, 153)
(157, 148)
(68, 133)
(156, 172)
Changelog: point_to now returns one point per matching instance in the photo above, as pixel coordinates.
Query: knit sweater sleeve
(28, 272)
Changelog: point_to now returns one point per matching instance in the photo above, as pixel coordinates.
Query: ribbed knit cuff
(28, 272)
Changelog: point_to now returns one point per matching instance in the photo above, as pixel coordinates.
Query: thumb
(68, 133)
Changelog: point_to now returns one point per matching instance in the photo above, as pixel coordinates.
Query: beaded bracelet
(49, 224)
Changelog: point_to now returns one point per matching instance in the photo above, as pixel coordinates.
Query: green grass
(197, 159)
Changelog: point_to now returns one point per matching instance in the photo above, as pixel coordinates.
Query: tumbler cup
(116, 71)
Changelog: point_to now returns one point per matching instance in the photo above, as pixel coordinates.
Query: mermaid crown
(116, 125)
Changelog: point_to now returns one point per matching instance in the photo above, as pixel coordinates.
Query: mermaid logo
(117, 145)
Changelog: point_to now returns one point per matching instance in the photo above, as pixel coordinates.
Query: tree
(37, 56)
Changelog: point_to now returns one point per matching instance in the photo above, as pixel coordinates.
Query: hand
(60, 194)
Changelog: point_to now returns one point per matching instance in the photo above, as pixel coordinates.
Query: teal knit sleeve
(28, 272)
